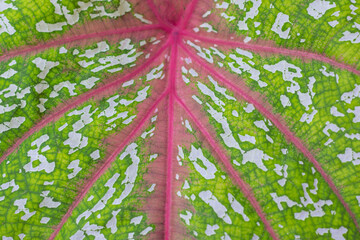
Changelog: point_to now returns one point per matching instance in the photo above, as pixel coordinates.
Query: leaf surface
(179, 119)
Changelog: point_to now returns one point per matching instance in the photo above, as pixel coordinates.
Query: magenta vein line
(275, 50)
(107, 164)
(154, 10)
(245, 188)
(81, 99)
(163, 23)
(66, 40)
(170, 140)
(282, 128)
(187, 15)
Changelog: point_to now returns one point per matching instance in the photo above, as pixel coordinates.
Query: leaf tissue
(179, 119)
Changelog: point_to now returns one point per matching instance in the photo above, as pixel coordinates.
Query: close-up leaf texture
(179, 119)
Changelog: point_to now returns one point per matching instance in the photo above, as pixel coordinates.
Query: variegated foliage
(192, 119)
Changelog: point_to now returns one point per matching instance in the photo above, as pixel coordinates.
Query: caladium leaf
(199, 119)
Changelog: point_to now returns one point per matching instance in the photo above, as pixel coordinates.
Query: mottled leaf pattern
(164, 119)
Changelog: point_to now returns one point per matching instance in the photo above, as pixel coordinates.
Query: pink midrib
(277, 122)
(170, 139)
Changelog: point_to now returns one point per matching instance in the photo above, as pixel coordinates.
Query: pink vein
(106, 165)
(164, 24)
(274, 50)
(154, 10)
(81, 99)
(187, 15)
(169, 167)
(66, 40)
(283, 128)
(245, 188)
